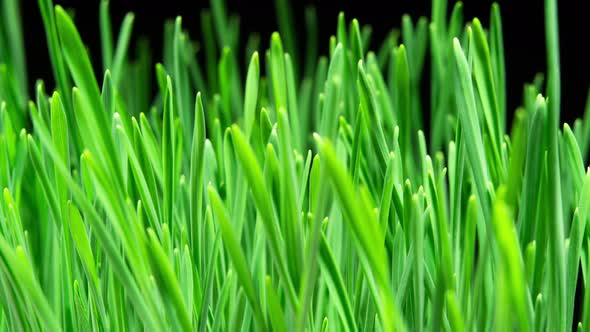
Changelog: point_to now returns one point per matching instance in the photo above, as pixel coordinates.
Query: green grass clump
(293, 192)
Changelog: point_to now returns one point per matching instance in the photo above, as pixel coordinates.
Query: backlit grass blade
(468, 261)
(418, 268)
(14, 52)
(263, 203)
(402, 84)
(146, 193)
(168, 153)
(78, 61)
(289, 205)
(386, 196)
(498, 62)
(106, 34)
(532, 175)
(196, 176)
(251, 96)
(277, 318)
(21, 270)
(309, 276)
(104, 236)
(82, 243)
(486, 90)
(555, 224)
(59, 132)
(332, 91)
(511, 263)
(38, 164)
(89, 101)
(336, 285)
(236, 254)
(57, 59)
(121, 48)
(455, 317)
(471, 129)
(370, 105)
(168, 281)
(553, 75)
(373, 257)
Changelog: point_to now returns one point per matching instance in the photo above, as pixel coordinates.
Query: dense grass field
(268, 188)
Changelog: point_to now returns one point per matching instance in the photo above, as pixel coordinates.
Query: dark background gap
(522, 22)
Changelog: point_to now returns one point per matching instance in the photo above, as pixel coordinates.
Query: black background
(522, 22)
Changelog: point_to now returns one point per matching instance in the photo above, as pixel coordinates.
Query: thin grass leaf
(121, 48)
(251, 96)
(263, 203)
(274, 306)
(374, 261)
(21, 270)
(236, 254)
(169, 282)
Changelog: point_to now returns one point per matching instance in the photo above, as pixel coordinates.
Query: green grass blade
(263, 203)
(237, 255)
(275, 312)
(122, 46)
(168, 280)
(374, 257)
(106, 35)
(251, 96)
(471, 129)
